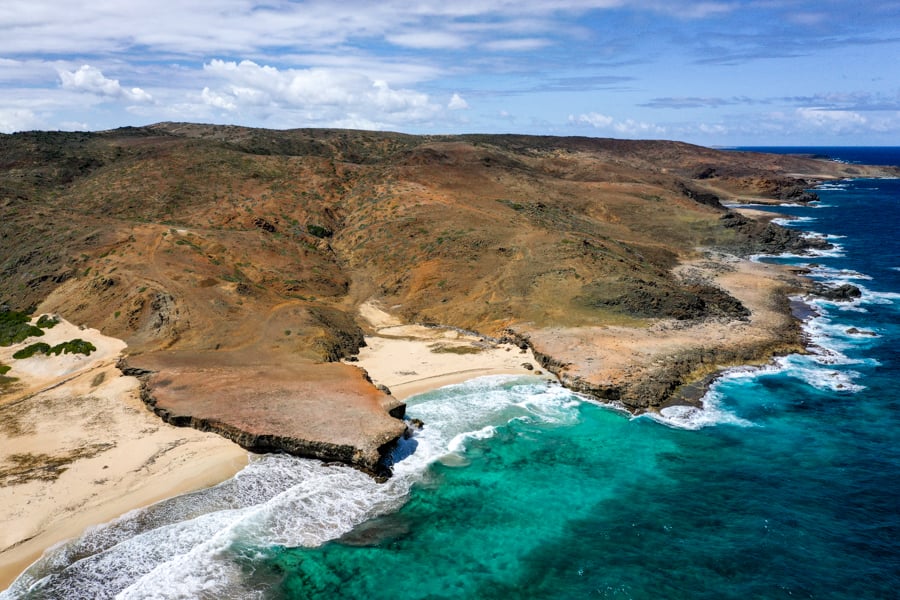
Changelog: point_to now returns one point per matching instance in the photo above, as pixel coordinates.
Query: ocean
(786, 486)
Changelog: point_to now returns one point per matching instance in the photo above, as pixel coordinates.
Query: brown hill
(233, 261)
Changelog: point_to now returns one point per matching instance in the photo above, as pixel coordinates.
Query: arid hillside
(155, 233)
(216, 250)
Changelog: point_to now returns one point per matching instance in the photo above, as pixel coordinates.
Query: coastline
(81, 449)
(407, 359)
(649, 369)
(610, 363)
(71, 400)
(641, 369)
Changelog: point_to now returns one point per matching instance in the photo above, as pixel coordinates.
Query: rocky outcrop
(757, 237)
(704, 198)
(666, 383)
(845, 292)
(865, 332)
(797, 194)
(652, 378)
(663, 299)
(266, 408)
(341, 336)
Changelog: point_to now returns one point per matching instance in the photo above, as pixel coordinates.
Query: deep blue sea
(786, 486)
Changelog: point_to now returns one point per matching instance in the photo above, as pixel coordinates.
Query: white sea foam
(838, 275)
(824, 367)
(788, 221)
(458, 443)
(867, 296)
(693, 418)
(815, 375)
(181, 548)
(834, 185)
(836, 251)
(712, 413)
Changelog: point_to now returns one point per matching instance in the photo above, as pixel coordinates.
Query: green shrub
(29, 351)
(319, 231)
(76, 346)
(47, 322)
(15, 328)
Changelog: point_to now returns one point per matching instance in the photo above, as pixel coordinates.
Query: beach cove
(114, 455)
(408, 360)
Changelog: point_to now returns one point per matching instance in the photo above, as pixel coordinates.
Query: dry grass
(25, 467)
(454, 349)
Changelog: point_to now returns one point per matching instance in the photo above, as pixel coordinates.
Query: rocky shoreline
(676, 376)
(682, 378)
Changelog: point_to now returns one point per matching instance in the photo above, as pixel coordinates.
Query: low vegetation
(5, 380)
(24, 467)
(454, 349)
(47, 322)
(76, 346)
(16, 327)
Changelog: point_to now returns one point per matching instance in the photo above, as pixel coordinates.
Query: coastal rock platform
(273, 404)
(651, 367)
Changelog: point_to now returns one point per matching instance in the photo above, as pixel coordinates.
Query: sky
(717, 72)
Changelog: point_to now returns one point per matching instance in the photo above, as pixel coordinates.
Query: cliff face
(197, 240)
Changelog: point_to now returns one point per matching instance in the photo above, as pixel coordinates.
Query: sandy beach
(79, 448)
(411, 359)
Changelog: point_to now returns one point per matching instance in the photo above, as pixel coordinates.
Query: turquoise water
(786, 486)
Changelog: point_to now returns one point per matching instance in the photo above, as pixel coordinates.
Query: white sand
(117, 455)
(410, 359)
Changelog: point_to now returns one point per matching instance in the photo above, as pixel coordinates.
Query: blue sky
(718, 72)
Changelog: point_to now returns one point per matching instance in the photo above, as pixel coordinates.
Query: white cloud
(837, 121)
(691, 10)
(74, 126)
(809, 19)
(593, 119)
(324, 95)
(242, 27)
(18, 119)
(91, 80)
(517, 44)
(638, 128)
(628, 127)
(361, 63)
(217, 100)
(457, 102)
(432, 40)
(715, 129)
